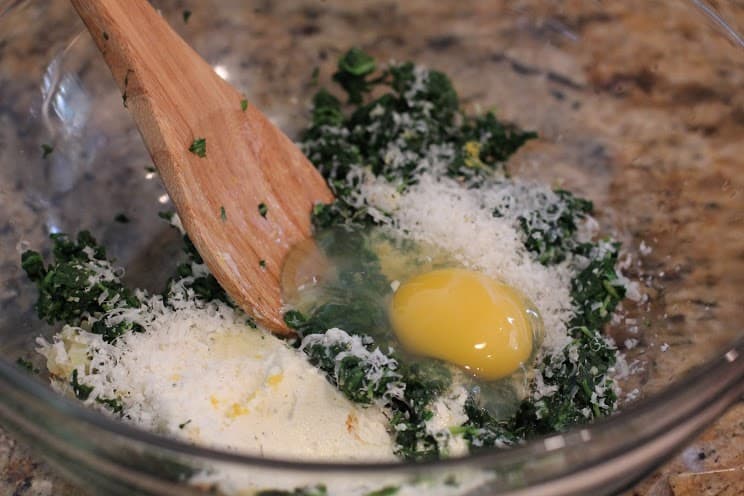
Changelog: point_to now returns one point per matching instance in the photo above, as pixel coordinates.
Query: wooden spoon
(248, 199)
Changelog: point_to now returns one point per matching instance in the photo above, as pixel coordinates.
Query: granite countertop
(630, 121)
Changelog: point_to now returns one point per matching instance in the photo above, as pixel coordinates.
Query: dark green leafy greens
(199, 147)
(80, 285)
(205, 287)
(46, 150)
(27, 365)
(319, 490)
(551, 234)
(418, 118)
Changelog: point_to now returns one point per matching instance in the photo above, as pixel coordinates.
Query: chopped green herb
(474, 147)
(385, 491)
(319, 490)
(199, 147)
(353, 69)
(81, 391)
(551, 235)
(186, 16)
(263, 209)
(122, 218)
(65, 291)
(262, 263)
(46, 150)
(205, 287)
(243, 104)
(113, 404)
(223, 214)
(124, 95)
(26, 364)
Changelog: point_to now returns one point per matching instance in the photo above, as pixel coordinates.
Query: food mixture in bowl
(443, 306)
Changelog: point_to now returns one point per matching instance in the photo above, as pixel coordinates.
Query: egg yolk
(465, 318)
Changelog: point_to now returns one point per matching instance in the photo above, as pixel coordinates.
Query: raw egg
(467, 319)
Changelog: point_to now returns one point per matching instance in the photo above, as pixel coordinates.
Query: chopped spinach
(550, 234)
(319, 490)
(385, 491)
(81, 391)
(122, 218)
(353, 68)
(113, 404)
(27, 365)
(199, 147)
(417, 119)
(205, 287)
(80, 284)
(46, 150)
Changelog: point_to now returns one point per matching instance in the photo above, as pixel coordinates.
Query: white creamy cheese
(202, 375)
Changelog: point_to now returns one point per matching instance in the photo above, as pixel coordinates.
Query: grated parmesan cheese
(448, 411)
(441, 212)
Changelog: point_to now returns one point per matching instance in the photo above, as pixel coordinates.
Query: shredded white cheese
(441, 212)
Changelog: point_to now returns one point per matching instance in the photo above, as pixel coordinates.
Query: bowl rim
(720, 377)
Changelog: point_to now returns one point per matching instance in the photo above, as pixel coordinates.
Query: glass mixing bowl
(639, 106)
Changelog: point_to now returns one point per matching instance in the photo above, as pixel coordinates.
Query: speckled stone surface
(649, 125)
(712, 465)
(22, 474)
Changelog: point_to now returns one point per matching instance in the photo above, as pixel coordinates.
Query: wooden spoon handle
(131, 36)
(248, 200)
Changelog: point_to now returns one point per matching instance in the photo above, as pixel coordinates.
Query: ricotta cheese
(202, 375)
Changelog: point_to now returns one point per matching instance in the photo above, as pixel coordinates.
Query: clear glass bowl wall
(639, 108)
